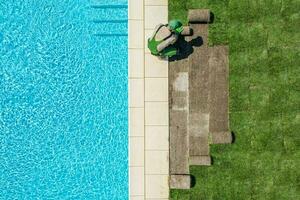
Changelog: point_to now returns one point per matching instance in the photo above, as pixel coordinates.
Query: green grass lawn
(264, 161)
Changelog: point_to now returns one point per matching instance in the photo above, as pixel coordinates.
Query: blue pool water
(63, 114)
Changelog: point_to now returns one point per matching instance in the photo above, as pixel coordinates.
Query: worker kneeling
(162, 41)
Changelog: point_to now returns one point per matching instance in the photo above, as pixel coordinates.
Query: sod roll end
(187, 31)
(180, 181)
(199, 16)
(222, 137)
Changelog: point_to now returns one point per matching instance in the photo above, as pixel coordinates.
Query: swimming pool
(63, 77)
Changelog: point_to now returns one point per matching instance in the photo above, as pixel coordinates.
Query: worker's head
(176, 26)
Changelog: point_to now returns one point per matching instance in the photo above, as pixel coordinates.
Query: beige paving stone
(137, 181)
(136, 121)
(155, 15)
(136, 9)
(136, 92)
(137, 198)
(157, 186)
(157, 162)
(156, 113)
(136, 148)
(136, 34)
(155, 67)
(148, 34)
(157, 199)
(156, 89)
(156, 2)
(136, 63)
(157, 138)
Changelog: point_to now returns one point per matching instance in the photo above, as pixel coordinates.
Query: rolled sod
(187, 31)
(199, 16)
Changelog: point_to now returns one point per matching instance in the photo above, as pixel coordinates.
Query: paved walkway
(148, 105)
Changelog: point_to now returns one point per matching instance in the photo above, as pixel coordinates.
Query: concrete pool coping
(148, 104)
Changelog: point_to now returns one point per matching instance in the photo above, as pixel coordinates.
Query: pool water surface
(64, 109)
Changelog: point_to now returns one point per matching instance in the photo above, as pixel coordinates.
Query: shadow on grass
(193, 181)
(233, 137)
(212, 17)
